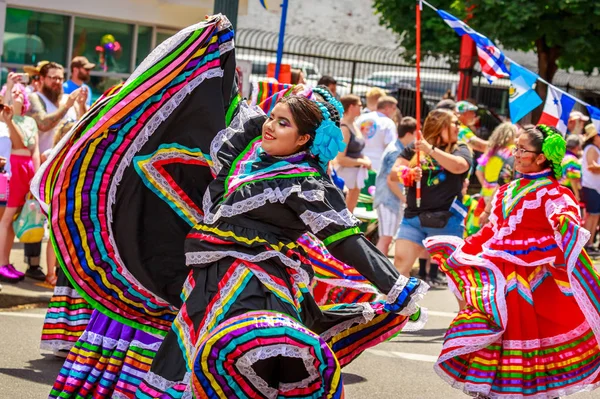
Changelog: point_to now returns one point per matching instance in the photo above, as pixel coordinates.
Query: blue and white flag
(594, 116)
(490, 57)
(557, 108)
(522, 97)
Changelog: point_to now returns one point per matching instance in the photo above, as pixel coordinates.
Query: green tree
(563, 33)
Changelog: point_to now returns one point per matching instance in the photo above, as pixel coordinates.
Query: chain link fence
(359, 67)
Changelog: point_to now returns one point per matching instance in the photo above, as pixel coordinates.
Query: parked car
(433, 85)
(345, 86)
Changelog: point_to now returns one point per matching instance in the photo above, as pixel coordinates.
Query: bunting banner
(493, 66)
(491, 59)
(594, 116)
(557, 109)
(522, 97)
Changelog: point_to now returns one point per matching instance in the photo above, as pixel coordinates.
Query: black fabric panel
(360, 253)
(148, 233)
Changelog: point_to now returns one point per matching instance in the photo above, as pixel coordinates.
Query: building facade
(342, 21)
(58, 30)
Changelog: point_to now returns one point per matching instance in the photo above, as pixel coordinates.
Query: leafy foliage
(566, 31)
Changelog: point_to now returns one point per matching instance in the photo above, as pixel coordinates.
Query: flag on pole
(265, 4)
(594, 116)
(557, 109)
(522, 98)
(490, 57)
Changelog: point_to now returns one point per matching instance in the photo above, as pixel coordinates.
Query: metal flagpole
(284, 8)
(418, 96)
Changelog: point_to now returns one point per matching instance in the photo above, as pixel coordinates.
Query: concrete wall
(349, 21)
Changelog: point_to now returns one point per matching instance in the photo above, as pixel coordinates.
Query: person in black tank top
(352, 164)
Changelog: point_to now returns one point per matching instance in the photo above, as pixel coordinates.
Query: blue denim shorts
(591, 198)
(411, 229)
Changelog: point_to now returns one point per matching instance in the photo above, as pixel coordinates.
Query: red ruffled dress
(531, 327)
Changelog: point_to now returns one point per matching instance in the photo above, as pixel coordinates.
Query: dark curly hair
(549, 141)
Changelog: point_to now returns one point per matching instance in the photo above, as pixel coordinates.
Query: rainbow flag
(267, 93)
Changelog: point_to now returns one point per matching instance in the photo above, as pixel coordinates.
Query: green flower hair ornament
(554, 148)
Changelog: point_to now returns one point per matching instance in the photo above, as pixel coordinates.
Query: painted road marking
(29, 315)
(403, 355)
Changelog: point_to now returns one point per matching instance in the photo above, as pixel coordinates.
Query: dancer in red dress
(531, 326)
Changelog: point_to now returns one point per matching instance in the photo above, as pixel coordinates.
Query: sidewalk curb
(11, 301)
(25, 292)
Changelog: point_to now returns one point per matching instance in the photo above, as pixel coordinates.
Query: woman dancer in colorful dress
(68, 313)
(157, 145)
(248, 288)
(531, 327)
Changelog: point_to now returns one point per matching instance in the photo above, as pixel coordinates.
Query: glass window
(144, 43)
(31, 36)
(105, 43)
(99, 84)
(163, 35)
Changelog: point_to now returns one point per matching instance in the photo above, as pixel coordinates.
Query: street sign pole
(284, 8)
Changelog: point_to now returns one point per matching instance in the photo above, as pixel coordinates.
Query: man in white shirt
(373, 95)
(378, 129)
(49, 106)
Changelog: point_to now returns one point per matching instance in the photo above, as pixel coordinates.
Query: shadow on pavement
(42, 371)
(29, 285)
(350, 379)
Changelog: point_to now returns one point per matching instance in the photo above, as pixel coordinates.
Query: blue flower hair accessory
(329, 140)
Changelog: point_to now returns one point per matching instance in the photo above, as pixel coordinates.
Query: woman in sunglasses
(445, 164)
(531, 324)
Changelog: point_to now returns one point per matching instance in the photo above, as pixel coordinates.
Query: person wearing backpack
(24, 161)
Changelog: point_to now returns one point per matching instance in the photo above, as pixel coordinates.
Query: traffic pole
(284, 8)
(418, 96)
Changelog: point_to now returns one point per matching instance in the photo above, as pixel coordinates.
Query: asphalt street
(401, 368)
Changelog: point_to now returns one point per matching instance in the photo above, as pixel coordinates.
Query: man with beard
(49, 106)
(80, 74)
